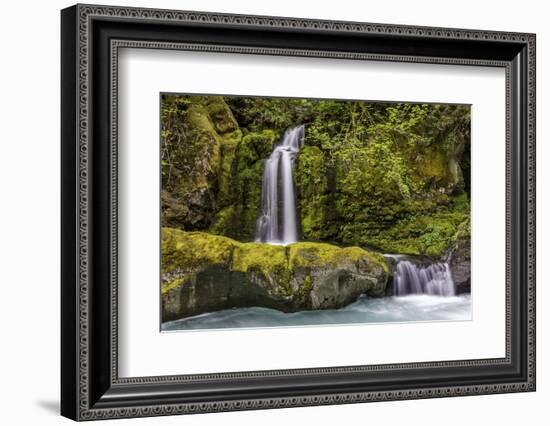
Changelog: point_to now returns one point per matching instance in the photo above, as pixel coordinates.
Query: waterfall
(433, 279)
(277, 223)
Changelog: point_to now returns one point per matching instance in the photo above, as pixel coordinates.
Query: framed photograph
(263, 212)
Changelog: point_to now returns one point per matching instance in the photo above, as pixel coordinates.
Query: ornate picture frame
(91, 37)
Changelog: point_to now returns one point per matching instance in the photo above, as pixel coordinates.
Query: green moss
(265, 259)
(432, 166)
(437, 237)
(171, 285)
(308, 255)
(220, 114)
(230, 138)
(244, 185)
(249, 187)
(226, 193)
(198, 161)
(462, 236)
(320, 254)
(303, 294)
(312, 187)
(203, 273)
(461, 203)
(185, 251)
(256, 146)
(425, 234)
(463, 230)
(193, 249)
(225, 221)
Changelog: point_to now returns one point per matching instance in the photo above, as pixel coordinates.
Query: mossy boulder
(335, 276)
(204, 273)
(199, 140)
(311, 178)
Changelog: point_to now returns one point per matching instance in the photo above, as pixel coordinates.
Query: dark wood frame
(91, 37)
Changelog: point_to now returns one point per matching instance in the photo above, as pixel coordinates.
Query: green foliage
(257, 114)
(392, 172)
(249, 186)
(226, 220)
(429, 233)
(256, 146)
(461, 239)
(392, 176)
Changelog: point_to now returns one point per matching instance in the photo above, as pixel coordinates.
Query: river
(414, 307)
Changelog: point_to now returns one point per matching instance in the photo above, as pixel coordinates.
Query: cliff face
(204, 273)
(198, 149)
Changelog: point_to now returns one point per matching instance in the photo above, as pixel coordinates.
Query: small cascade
(277, 223)
(432, 279)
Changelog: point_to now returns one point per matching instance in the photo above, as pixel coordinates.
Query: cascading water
(433, 279)
(277, 223)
